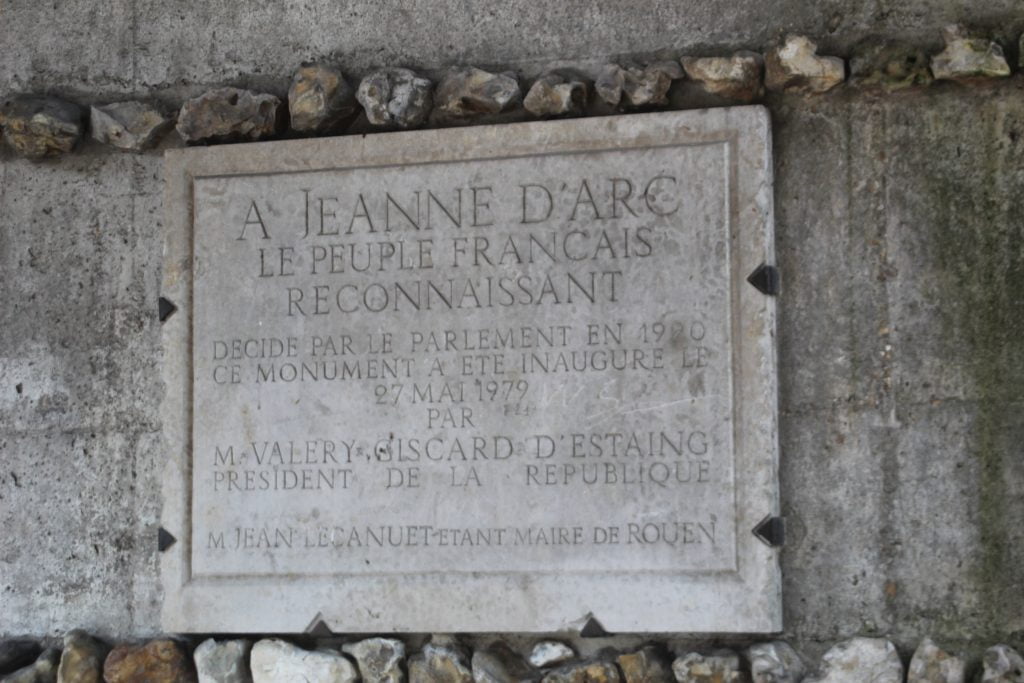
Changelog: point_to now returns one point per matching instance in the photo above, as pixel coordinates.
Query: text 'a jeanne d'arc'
(474, 206)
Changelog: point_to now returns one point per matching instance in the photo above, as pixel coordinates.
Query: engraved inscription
(516, 365)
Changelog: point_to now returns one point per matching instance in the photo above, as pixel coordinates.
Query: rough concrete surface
(125, 45)
(901, 331)
(901, 362)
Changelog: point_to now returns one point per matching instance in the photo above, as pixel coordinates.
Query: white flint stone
(609, 83)
(320, 100)
(965, 57)
(775, 662)
(585, 672)
(442, 660)
(650, 85)
(636, 86)
(795, 66)
(128, 125)
(229, 115)
(860, 660)
(81, 660)
(395, 97)
(468, 92)
(39, 127)
(500, 664)
(553, 94)
(737, 77)
(275, 661)
(646, 665)
(549, 653)
(720, 667)
(892, 66)
(225, 661)
(931, 664)
(1002, 664)
(379, 659)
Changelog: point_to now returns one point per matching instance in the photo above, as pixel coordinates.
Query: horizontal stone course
(323, 103)
(445, 658)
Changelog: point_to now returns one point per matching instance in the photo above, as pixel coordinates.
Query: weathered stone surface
(672, 183)
(930, 664)
(775, 662)
(17, 652)
(275, 661)
(132, 126)
(719, 667)
(892, 66)
(636, 86)
(585, 672)
(43, 670)
(442, 660)
(40, 127)
(230, 115)
(647, 665)
(860, 660)
(549, 653)
(158, 661)
(320, 100)
(967, 58)
(395, 97)
(737, 77)
(467, 92)
(81, 660)
(556, 93)
(649, 86)
(498, 663)
(379, 659)
(1002, 664)
(796, 67)
(608, 85)
(225, 661)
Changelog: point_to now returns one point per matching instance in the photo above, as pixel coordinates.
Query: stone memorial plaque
(499, 378)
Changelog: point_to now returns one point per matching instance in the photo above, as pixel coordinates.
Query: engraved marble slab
(484, 379)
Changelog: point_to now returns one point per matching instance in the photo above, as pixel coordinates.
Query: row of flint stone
(444, 659)
(321, 101)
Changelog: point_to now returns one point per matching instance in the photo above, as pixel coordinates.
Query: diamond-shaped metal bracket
(766, 278)
(593, 629)
(164, 539)
(166, 309)
(318, 627)
(771, 531)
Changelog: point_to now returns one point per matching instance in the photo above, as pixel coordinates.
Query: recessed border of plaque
(744, 600)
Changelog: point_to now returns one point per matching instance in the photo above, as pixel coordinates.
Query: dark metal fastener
(771, 531)
(766, 278)
(166, 309)
(164, 539)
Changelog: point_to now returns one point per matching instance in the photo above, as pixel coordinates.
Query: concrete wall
(902, 315)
